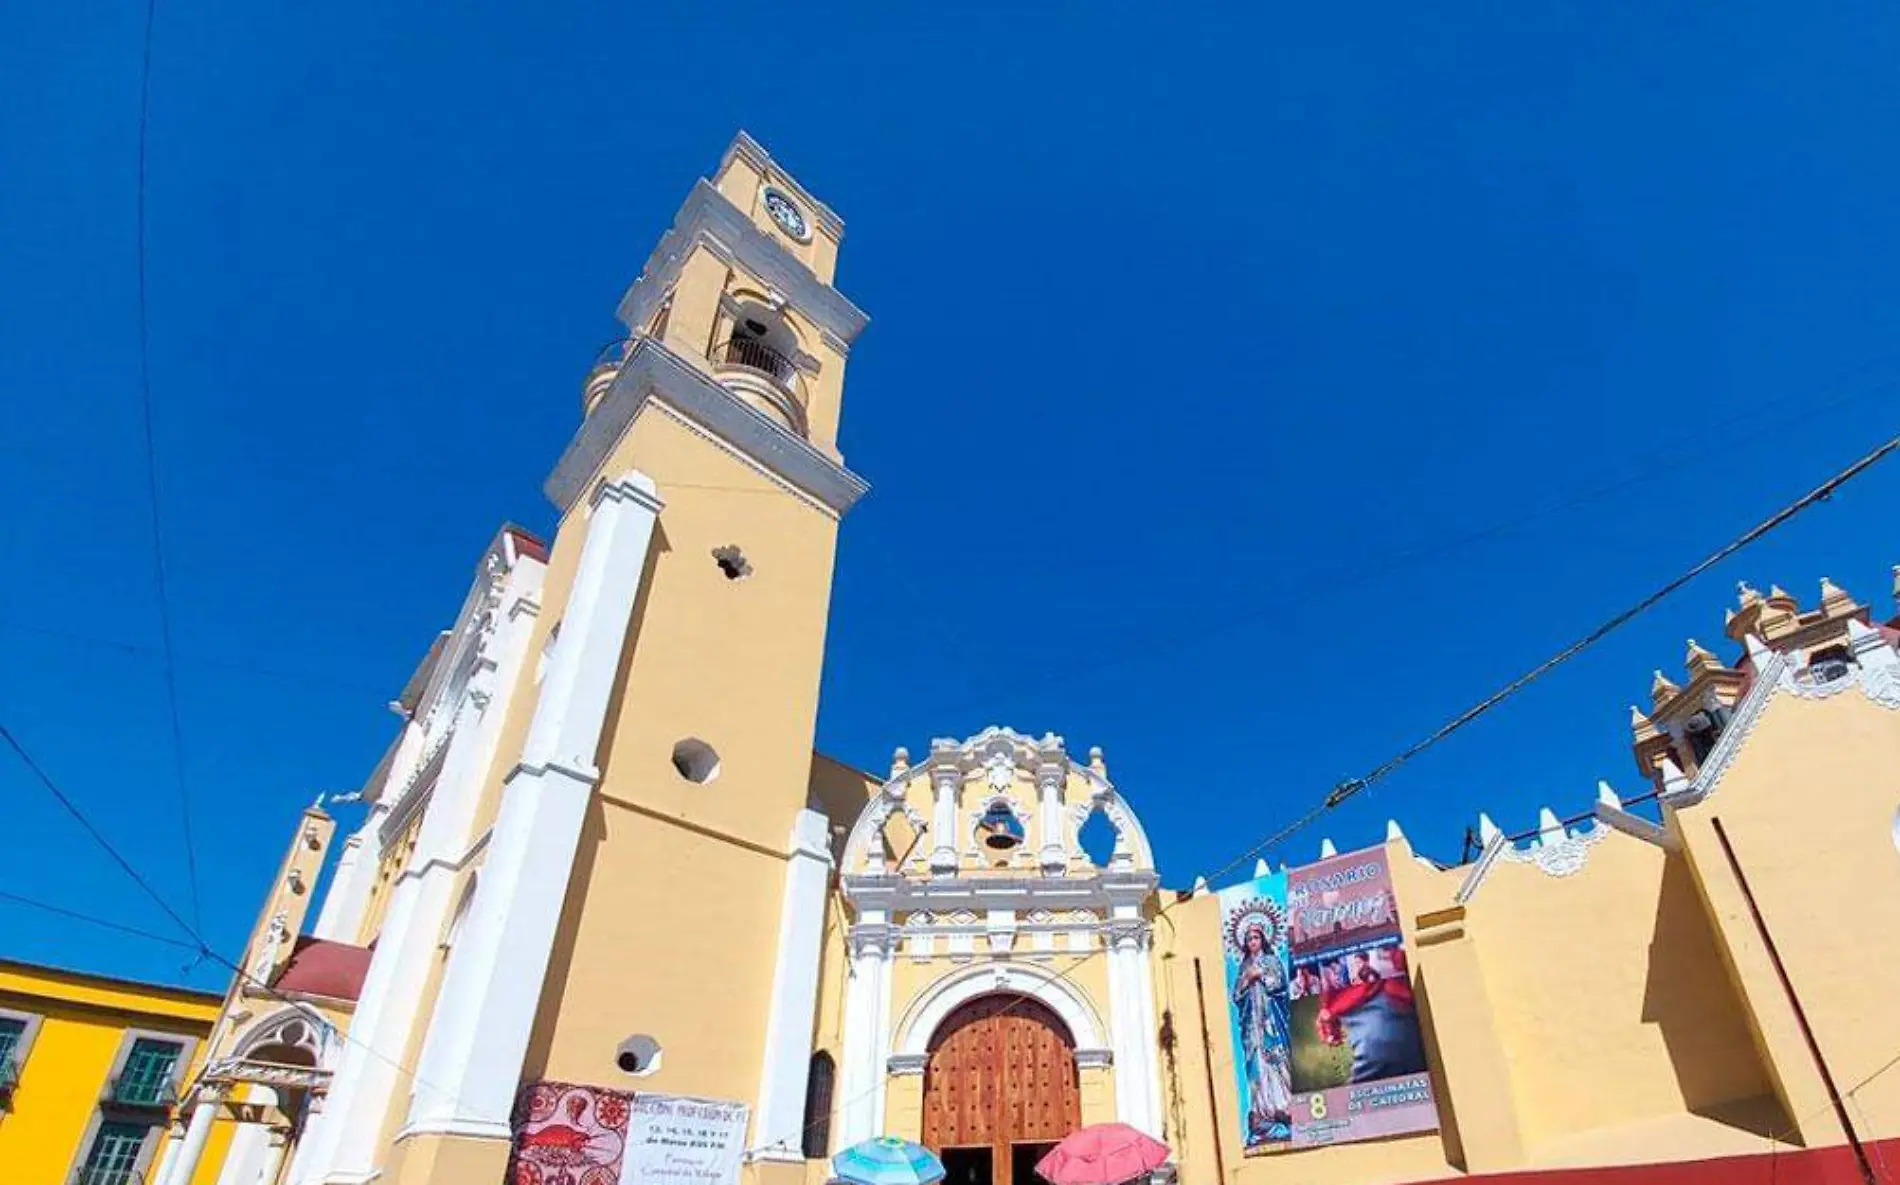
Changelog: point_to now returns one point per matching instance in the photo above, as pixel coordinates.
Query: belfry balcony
(763, 377)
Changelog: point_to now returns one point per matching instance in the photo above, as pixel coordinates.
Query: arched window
(818, 1106)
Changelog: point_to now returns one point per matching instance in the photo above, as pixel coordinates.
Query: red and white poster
(567, 1134)
(1357, 1051)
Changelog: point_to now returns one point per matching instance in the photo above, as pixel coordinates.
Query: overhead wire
(151, 472)
(1351, 786)
(92, 920)
(1340, 793)
(203, 949)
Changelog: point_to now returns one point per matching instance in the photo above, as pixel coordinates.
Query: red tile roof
(527, 544)
(320, 967)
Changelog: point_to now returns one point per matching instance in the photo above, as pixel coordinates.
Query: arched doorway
(999, 1089)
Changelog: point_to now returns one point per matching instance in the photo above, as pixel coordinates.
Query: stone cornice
(707, 218)
(652, 372)
(1022, 894)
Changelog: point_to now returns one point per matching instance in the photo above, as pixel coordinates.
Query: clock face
(786, 214)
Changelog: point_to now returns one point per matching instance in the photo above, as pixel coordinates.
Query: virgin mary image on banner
(1253, 925)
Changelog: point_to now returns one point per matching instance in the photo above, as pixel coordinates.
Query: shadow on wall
(1693, 1003)
(1435, 1063)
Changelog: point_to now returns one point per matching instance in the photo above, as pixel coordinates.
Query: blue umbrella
(887, 1160)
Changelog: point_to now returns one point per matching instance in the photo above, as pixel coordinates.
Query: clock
(790, 219)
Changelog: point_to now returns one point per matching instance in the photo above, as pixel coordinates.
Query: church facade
(518, 973)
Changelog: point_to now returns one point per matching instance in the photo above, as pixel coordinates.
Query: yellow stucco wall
(84, 1021)
(1809, 809)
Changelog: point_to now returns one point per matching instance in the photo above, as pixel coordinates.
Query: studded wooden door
(1001, 1073)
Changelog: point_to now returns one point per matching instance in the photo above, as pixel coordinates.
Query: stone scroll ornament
(566, 1134)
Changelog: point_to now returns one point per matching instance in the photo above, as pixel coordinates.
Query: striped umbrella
(887, 1160)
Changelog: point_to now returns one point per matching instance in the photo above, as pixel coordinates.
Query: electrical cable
(197, 944)
(1340, 793)
(1352, 786)
(75, 915)
(151, 474)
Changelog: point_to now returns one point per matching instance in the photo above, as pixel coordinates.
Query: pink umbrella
(1102, 1154)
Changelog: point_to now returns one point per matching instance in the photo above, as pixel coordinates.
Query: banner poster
(680, 1141)
(568, 1135)
(1358, 1058)
(1255, 955)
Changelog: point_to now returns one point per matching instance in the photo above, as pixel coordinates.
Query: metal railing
(755, 355)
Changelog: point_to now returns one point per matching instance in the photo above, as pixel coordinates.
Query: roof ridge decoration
(1875, 672)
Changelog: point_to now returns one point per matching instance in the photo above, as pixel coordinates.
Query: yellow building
(611, 919)
(90, 1073)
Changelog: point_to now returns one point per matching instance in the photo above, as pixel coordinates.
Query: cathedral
(610, 918)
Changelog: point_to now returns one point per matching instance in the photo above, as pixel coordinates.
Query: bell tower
(648, 905)
(741, 289)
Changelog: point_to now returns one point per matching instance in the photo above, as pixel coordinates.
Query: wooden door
(1001, 1073)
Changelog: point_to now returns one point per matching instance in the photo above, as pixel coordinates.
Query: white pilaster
(248, 1159)
(946, 780)
(168, 1152)
(184, 1165)
(1132, 1021)
(244, 1157)
(866, 1031)
(345, 1146)
(1052, 774)
(778, 1127)
(278, 1143)
(471, 1059)
(346, 894)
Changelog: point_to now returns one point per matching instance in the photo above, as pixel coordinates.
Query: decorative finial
(1200, 886)
(900, 761)
(1392, 832)
(1832, 595)
(1607, 796)
(1778, 593)
(1698, 659)
(1549, 829)
(1674, 780)
(1095, 760)
(1326, 849)
(1660, 688)
(1746, 594)
(1260, 868)
(1639, 719)
(1487, 830)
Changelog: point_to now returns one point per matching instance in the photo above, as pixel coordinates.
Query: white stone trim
(390, 1004)
(1875, 672)
(779, 1120)
(707, 218)
(862, 1075)
(491, 991)
(653, 373)
(753, 153)
(935, 1004)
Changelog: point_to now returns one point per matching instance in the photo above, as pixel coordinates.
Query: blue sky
(1247, 390)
